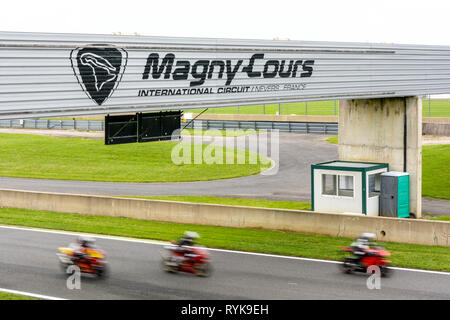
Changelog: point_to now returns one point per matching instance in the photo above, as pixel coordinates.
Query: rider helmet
(189, 237)
(369, 237)
(86, 242)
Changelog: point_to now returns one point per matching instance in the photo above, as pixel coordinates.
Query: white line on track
(156, 242)
(29, 294)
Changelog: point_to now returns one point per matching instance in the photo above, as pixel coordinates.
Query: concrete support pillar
(387, 130)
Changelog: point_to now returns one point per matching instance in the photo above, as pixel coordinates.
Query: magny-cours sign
(44, 75)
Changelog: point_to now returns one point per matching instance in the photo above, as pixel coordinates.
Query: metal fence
(54, 124)
(300, 127)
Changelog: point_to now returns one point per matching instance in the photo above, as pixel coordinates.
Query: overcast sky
(397, 21)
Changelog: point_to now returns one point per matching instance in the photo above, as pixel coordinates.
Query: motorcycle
(374, 257)
(199, 262)
(94, 262)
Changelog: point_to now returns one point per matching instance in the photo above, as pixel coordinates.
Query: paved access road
(28, 263)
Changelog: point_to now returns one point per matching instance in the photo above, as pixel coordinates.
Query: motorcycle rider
(362, 244)
(83, 245)
(188, 240)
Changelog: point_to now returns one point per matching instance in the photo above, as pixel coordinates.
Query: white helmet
(368, 236)
(191, 234)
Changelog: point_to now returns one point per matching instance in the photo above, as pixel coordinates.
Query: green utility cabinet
(394, 194)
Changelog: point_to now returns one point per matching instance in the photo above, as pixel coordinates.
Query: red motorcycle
(375, 256)
(198, 261)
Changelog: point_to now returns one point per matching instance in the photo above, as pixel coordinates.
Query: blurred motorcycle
(197, 261)
(93, 261)
(359, 261)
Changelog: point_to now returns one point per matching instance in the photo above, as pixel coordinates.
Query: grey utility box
(394, 194)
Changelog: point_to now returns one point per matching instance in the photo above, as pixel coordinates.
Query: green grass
(435, 170)
(10, 296)
(254, 240)
(333, 140)
(437, 108)
(429, 216)
(297, 108)
(323, 108)
(34, 156)
(246, 202)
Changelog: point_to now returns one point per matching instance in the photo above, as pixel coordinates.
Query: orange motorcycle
(92, 261)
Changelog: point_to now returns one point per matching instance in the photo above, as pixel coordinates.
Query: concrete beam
(387, 130)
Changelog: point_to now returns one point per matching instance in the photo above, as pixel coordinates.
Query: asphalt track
(290, 180)
(28, 263)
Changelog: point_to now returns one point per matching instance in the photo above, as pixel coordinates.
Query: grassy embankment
(42, 157)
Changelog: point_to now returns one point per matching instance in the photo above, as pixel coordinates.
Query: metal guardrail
(54, 124)
(300, 127)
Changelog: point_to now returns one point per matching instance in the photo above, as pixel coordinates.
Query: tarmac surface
(28, 263)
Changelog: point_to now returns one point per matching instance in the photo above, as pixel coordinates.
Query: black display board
(142, 127)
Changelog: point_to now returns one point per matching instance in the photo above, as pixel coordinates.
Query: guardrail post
(429, 105)
(306, 108)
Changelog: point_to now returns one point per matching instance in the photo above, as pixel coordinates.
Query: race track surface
(28, 263)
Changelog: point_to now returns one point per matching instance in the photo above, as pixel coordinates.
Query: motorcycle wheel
(166, 267)
(203, 270)
(102, 272)
(345, 267)
(386, 272)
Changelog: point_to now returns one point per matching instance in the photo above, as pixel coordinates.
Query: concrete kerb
(343, 225)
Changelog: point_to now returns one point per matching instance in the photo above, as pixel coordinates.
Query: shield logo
(98, 69)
